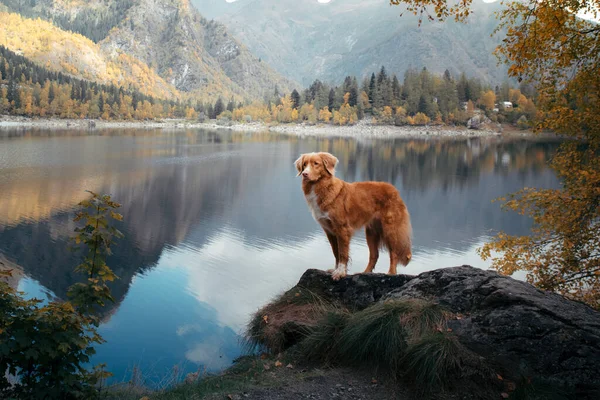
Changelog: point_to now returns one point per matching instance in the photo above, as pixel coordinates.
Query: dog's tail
(405, 239)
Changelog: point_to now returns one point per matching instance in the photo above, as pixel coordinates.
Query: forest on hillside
(421, 98)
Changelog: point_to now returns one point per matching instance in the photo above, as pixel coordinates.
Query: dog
(341, 208)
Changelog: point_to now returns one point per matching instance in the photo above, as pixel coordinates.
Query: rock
(523, 331)
(355, 291)
(477, 121)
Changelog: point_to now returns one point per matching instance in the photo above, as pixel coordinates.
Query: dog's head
(314, 166)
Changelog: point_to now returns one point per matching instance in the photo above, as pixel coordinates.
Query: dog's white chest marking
(316, 211)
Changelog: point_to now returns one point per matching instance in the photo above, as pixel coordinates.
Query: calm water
(216, 223)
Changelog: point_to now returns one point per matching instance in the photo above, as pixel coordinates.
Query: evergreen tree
(396, 91)
(422, 107)
(372, 88)
(218, 109)
(331, 101)
(352, 101)
(295, 99)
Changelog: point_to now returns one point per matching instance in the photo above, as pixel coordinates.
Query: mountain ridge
(306, 40)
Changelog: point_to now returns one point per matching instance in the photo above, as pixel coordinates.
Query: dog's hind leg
(373, 233)
(397, 239)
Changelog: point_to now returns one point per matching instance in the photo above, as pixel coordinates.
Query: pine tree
(396, 90)
(423, 107)
(295, 99)
(372, 88)
(353, 100)
(331, 101)
(218, 109)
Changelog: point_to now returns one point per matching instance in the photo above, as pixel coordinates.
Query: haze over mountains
(306, 39)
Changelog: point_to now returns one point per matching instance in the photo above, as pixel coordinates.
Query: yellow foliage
(488, 99)
(77, 55)
(421, 119)
(324, 114)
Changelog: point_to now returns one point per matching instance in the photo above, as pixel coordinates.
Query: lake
(216, 224)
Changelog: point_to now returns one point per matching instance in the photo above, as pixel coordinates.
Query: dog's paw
(330, 271)
(338, 274)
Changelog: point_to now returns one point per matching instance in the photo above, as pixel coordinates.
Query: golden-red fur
(341, 208)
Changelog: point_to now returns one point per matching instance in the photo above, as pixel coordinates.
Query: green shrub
(43, 349)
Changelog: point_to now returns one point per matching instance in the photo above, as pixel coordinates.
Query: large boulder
(524, 332)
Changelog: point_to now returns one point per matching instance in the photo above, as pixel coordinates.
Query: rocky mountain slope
(167, 37)
(191, 52)
(73, 54)
(305, 40)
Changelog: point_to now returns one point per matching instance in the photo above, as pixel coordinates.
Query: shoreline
(362, 129)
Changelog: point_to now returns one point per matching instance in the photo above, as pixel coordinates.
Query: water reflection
(216, 224)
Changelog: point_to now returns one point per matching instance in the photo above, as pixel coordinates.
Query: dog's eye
(316, 163)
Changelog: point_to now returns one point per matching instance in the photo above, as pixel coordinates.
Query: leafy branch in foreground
(44, 348)
(562, 253)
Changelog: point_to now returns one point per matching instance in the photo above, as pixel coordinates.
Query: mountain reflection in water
(216, 224)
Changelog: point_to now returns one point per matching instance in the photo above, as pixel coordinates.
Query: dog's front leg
(343, 245)
(334, 247)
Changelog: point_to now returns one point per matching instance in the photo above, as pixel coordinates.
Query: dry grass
(285, 321)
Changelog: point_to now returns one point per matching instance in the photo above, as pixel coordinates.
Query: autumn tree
(324, 114)
(488, 100)
(549, 43)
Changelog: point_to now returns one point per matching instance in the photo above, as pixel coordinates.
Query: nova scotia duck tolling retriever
(341, 208)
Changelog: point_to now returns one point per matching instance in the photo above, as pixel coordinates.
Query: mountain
(307, 40)
(190, 51)
(175, 47)
(78, 56)
(92, 19)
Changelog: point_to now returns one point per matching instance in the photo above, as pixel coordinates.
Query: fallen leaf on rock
(499, 377)
(278, 363)
(504, 395)
(266, 319)
(267, 367)
(290, 366)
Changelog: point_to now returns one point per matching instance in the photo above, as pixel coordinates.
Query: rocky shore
(362, 129)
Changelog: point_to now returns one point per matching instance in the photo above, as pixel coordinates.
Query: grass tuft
(321, 343)
(437, 361)
(375, 336)
(285, 321)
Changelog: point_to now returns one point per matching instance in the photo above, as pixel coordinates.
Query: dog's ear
(329, 161)
(299, 163)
